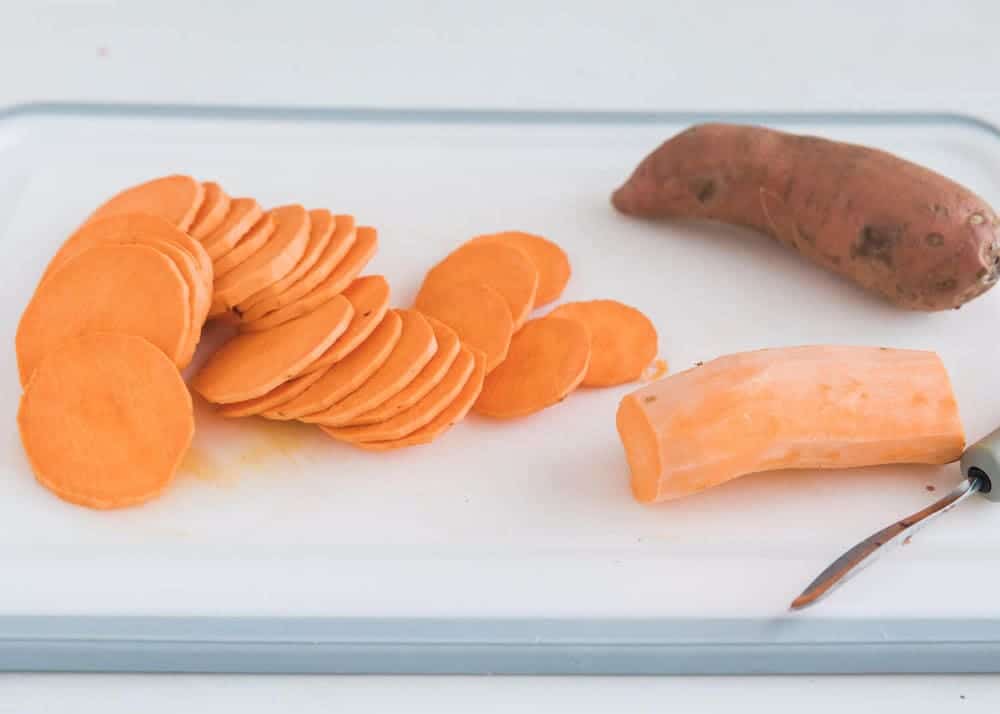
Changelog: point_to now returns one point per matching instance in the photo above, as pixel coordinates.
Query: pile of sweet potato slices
(316, 340)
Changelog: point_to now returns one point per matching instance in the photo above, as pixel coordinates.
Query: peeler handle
(982, 460)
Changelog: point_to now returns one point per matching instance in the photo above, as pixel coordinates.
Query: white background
(595, 55)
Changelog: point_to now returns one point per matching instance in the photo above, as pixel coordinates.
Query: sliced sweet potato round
(506, 269)
(416, 347)
(253, 364)
(173, 198)
(548, 359)
(550, 260)
(344, 235)
(321, 226)
(127, 289)
(336, 282)
(448, 348)
(199, 294)
(418, 414)
(106, 420)
(345, 376)
(276, 397)
(370, 297)
(451, 415)
(248, 245)
(475, 311)
(241, 217)
(130, 228)
(272, 262)
(623, 340)
(212, 213)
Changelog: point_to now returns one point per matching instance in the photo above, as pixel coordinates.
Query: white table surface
(516, 54)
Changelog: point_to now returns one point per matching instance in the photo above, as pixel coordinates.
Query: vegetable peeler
(981, 467)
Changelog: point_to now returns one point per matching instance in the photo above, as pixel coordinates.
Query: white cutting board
(526, 518)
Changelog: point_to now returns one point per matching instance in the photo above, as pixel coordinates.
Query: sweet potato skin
(896, 228)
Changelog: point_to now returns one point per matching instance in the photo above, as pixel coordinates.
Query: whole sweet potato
(896, 228)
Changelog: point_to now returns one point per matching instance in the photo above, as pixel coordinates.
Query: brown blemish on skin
(945, 286)
(930, 488)
(705, 190)
(649, 400)
(935, 240)
(875, 243)
(806, 236)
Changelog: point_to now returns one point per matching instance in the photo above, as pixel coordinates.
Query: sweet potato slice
(242, 216)
(253, 364)
(348, 374)
(416, 347)
(248, 245)
(276, 397)
(548, 359)
(551, 261)
(213, 211)
(199, 294)
(144, 229)
(475, 311)
(448, 349)
(342, 240)
(321, 227)
(370, 297)
(272, 262)
(623, 342)
(451, 415)
(130, 228)
(106, 420)
(176, 199)
(812, 407)
(417, 415)
(128, 289)
(336, 282)
(506, 269)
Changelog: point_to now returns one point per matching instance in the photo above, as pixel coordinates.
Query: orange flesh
(321, 228)
(129, 228)
(242, 216)
(623, 341)
(346, 375)
(251, 365)
(176, 199)
(416, 347)
(799, 407)
(370, 297)
(213, 211)
(451, 415)
(448, 348)
(336, 282)
(547, 360)
(476, 312)
(343, 238)
(248, 245)
(550, 260)
(127, 289)
(419, 414)
(504, 268)
(272, 262)
(276, 397)
(106, 420)
(186, 253)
